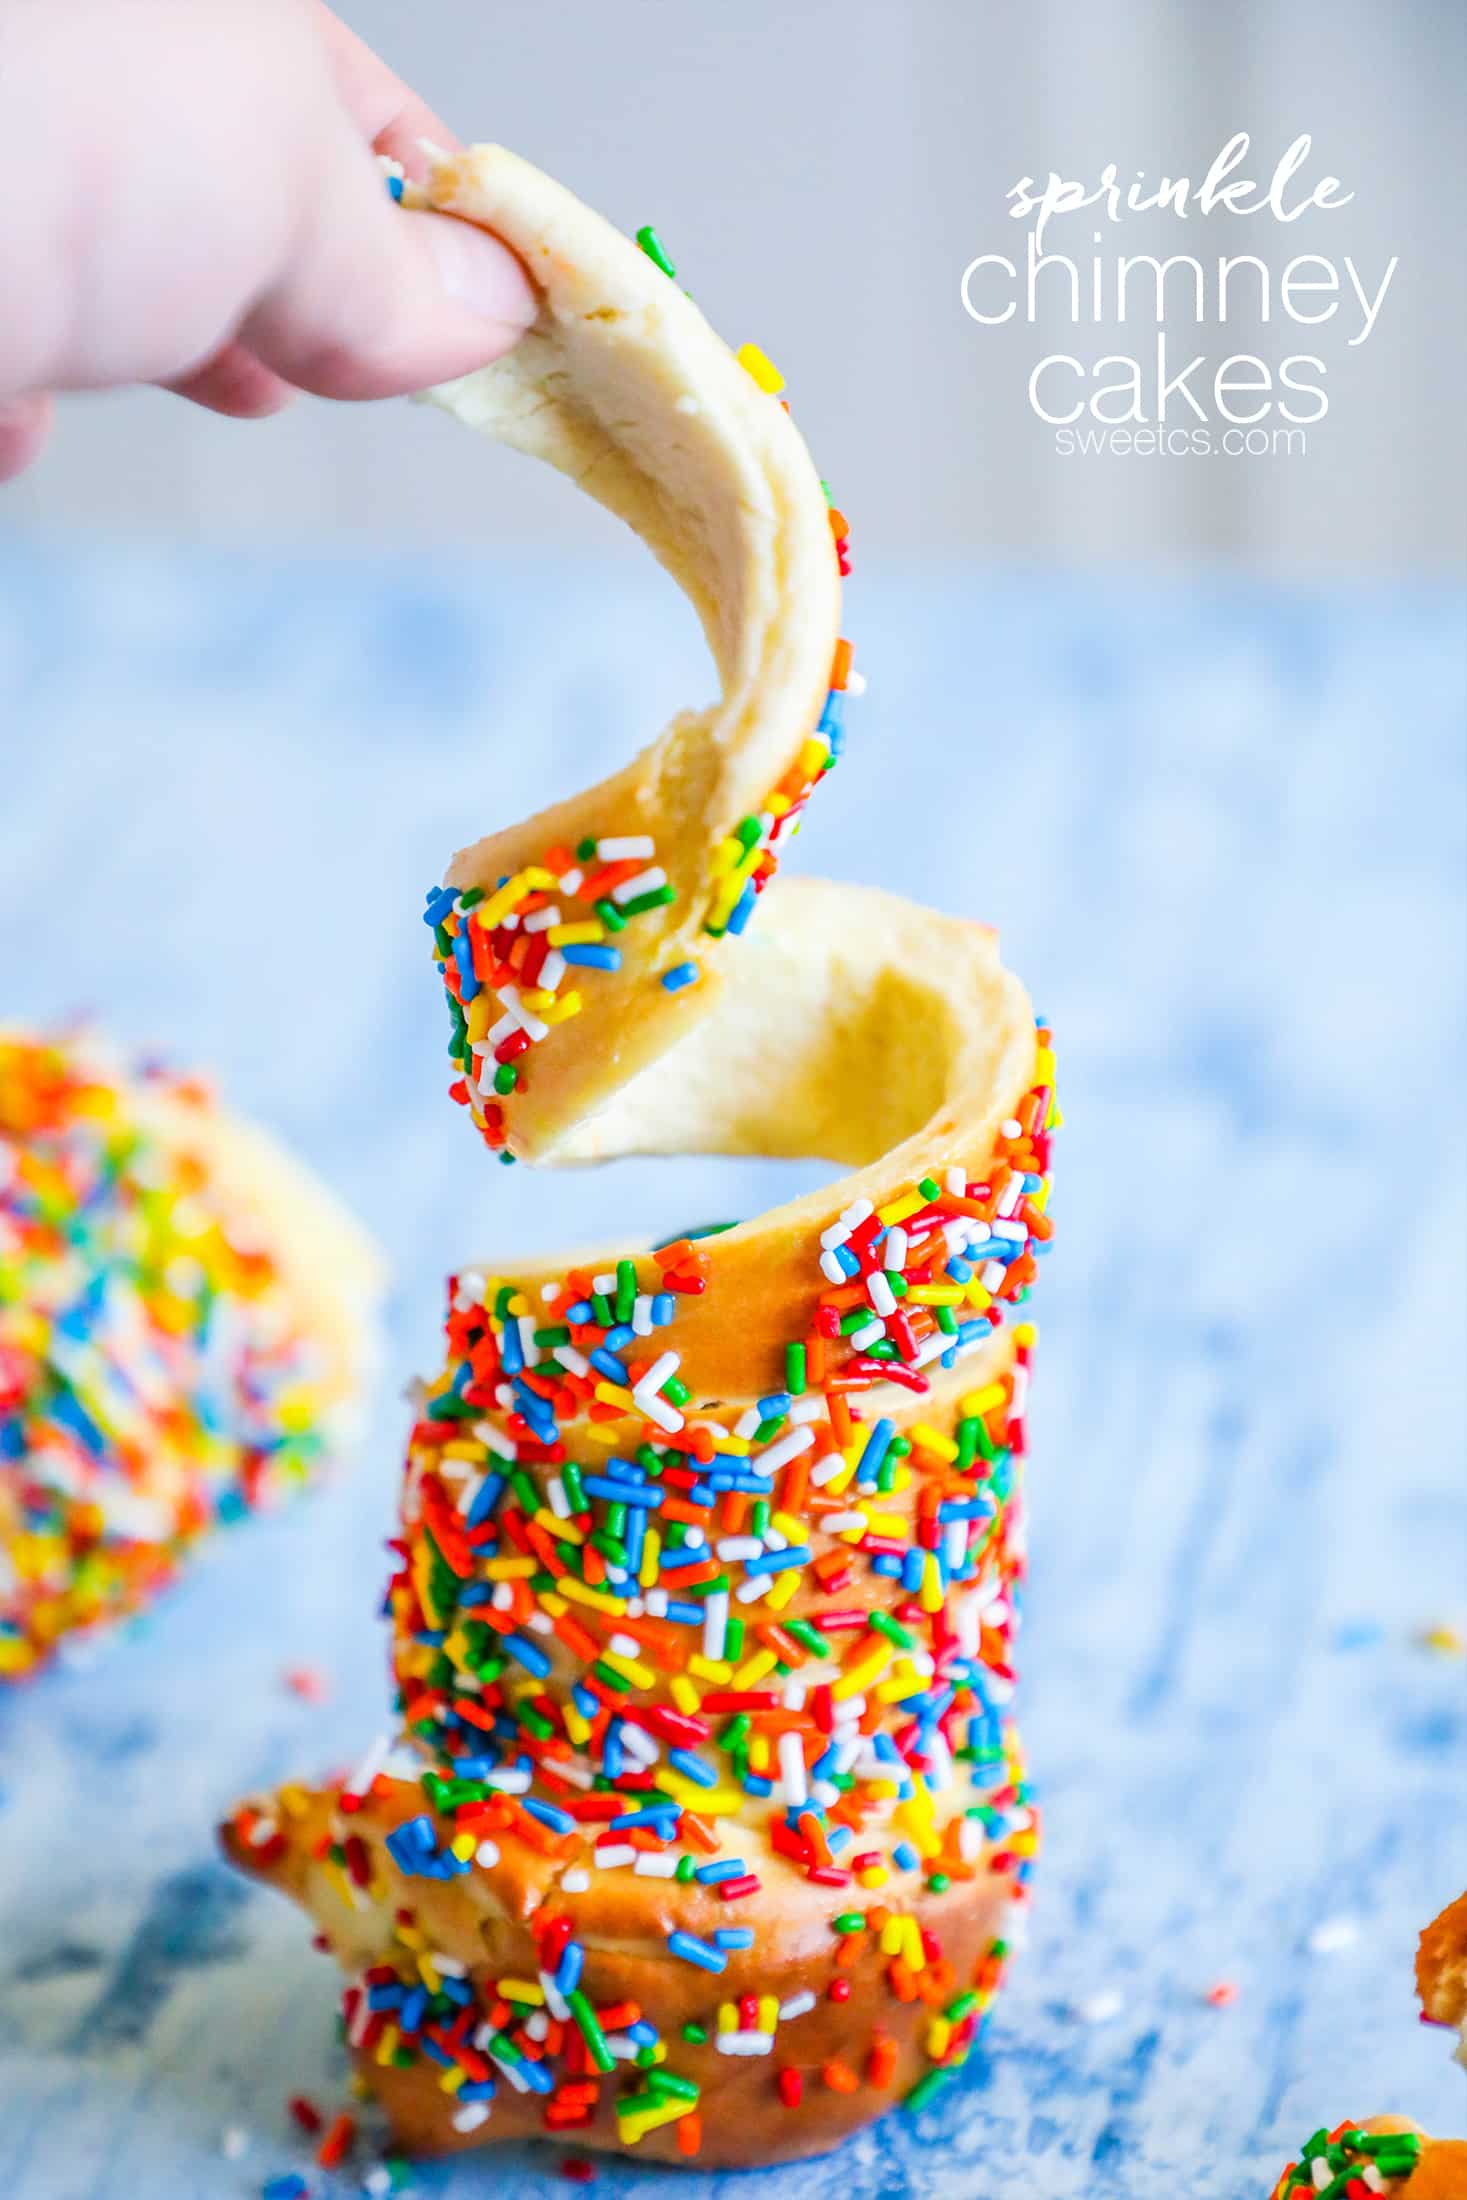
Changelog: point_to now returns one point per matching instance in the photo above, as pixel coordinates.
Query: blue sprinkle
(559, 1821)
(642, 2033)
(691, 1950)
(655, 1814)
(685, 1613)
(696, 1951)
(489, 1493)
(906, 1856)
(647, 1495)
(847, 1260)
(582, 1311)
(607, 1364)
(779, 1562)
(463, 955)
(441, 900)
(394, 187)
(734, 1936)
(568, 1977)
(732, 1867)
(692, 1767)
(775, 1406)
(414, 2009)
(874, 1451)
(743, 910)
(532, 1658)
(664, 1307)
(617, 1339)
(685, 974)
(593, 958)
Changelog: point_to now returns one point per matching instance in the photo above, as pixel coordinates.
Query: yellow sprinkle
(522, 1989)
(768, 2012)
(388, 2044)
(876, 1876)
(936, 1294)
(537, 877)
(1444, 1640)
(759, 1753)
(785, 1589)
(684, 1694)
(511, 1569)
(984, 1400)
(887, 1523)
(812, 756)
(631, 1669)
(794, 1530)
(561, 1008)
(726, 855)
(651, 1551)
(898, 1210)
(716, 1670)
(930, 1596)
(891, 1936)
(631, 2128)
(504, 899)
(728, 2017)
(912, 1944)
(479, 1015)
(977, 1297)
(576, 935)
(612, 1394)
(1044, 1065)
(564, 1531)
(579, 1729)
(428, 1971)
(463, 1846)
(1026, 1333)
(753, 1669)
(857, 1677)
(551, 1603)
(764, 371)
(777, 804)
(939, 2038)
(578, 1592)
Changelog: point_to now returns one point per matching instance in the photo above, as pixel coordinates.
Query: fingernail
(479, 272)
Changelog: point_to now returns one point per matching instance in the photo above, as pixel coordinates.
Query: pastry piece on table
(1387, 2155)
(186, 1321)
(1441, 1971)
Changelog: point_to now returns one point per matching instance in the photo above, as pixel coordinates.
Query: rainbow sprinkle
(1349, 2164)
(154, 1381)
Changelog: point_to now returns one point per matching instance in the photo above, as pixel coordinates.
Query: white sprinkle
(233, 2143)
(1100, 2008)
(537, 2023)
(838, 1523)
(552, 970)
(642, 1323)
(660, 1373)
(606, 1285)
(508, 1779)
(855, 682)
(521, 1017)
(894, 1249)
(636, 847)
(652, 1864)
(798, 2005)
(740, 1546)
(715, 1625)
(1333, 1935)
(807, 1410)
(487, 1854)
(575, 1362)
(540, 920)
(503, 1447)
(745, 2043)
(871, 1333)
(645, 882)
(615, 1855)
(792, 1769)
(954, 1181)
(826, 1469)
(1012, 1129)
(571, 880)
(560, 1503)
(831, 1269)
(474, 2113)
(575, 1882)
(779, 1454)
(657, 1409)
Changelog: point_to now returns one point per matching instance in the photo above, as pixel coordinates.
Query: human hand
(194, 202)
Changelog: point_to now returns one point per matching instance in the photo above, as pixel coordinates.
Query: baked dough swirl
(704, 1829)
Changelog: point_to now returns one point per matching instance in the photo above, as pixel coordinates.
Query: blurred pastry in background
(186, 1326)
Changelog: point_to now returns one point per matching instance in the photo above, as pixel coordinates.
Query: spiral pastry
(704, 1829)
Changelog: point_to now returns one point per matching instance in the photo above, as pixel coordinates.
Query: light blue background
(1221, 830)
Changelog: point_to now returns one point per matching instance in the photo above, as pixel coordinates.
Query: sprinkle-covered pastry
(184, 1322)
(702, 1828)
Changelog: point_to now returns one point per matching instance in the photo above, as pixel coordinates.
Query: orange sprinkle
(840, 669)
(840, 2077)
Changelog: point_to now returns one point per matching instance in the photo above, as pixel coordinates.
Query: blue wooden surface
(1221, 831)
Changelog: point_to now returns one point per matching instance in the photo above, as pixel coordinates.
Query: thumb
(374, 300)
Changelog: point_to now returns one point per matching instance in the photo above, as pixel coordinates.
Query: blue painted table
(1221, 831)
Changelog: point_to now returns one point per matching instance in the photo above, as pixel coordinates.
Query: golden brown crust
(1441, 1965)
(856, 2052)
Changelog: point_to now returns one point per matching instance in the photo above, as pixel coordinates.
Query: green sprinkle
(810, 1638)
(585, 851)
(733, 1643)
(655, 250)
(924, 2090)
(591, 2031)
(685, 1869)
(695, 2034)
(669, 2082)
(794, 1370)
(601, 1308)
(676, 1390)
(893, 1630)
(610, 915)
(929, 1187)
(640, 904)
(626, 1289)
(939, 1883)
(550, 1338)
(850, 1921)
